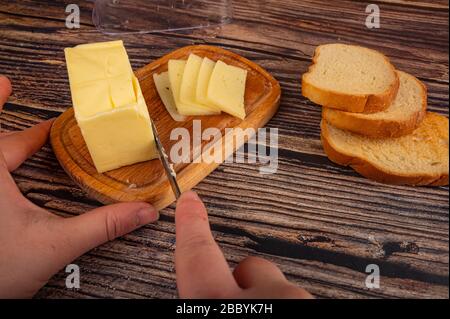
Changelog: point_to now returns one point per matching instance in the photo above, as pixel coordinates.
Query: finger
(202, 271)
(5, 90)
(17, 147)
(254, 271)
(281, 290)
(3, 134)
(85, 232)
(9, 191)
(262, 279)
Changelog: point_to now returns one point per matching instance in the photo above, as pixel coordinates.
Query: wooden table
(322, 224)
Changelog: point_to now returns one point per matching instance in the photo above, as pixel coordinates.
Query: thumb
(5, 90)
(100, 225)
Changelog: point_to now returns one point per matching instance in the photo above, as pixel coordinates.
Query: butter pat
(188, 92)
(227, 89)
(109, 106)
(204, 76)
(176, 72)
(162, 83)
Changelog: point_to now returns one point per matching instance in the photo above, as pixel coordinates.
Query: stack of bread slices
(375, 118)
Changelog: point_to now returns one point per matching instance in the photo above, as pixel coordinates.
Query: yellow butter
(227, 89)
(109, 106)
(162, 83)
(176, 71)
(189, 79)
(188, 90)
(204, 76)
(101, 60)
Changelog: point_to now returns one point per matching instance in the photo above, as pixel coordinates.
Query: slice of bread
(350, 78)
(421, 158)
(401, 118)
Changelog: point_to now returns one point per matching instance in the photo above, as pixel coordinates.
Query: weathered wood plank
(253, 214)
(321, 223)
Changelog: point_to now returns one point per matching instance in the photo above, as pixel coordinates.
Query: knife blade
(168, 167)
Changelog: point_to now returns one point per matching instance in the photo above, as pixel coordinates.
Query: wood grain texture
(147, 181)
(322, 224)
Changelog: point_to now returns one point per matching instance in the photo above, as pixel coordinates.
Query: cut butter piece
(227, 89)
(176, 71)
(188, 88)
(162, 83)
(109, 106)
(204, 76)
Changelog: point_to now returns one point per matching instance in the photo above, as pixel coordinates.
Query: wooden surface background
(322, 224)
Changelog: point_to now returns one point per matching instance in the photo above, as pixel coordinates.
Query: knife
(168, 167)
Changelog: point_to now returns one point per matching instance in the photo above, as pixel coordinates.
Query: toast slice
(421, 158)
(401, 118)
(350, 78)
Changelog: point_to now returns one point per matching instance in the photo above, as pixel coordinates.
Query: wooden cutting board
(147, 181)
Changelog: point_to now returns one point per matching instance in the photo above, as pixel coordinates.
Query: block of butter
(109, 106)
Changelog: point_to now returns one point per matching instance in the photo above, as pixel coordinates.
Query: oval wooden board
(147, 181)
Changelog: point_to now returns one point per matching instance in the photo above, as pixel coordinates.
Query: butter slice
(109, 106)
(162, 83)
(188, 91)
(227, 89)
(176, 71)
(204, 77)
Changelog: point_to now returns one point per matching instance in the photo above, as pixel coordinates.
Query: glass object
(146, 16)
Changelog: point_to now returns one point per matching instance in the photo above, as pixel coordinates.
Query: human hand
(203, 272)
(35, 244)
